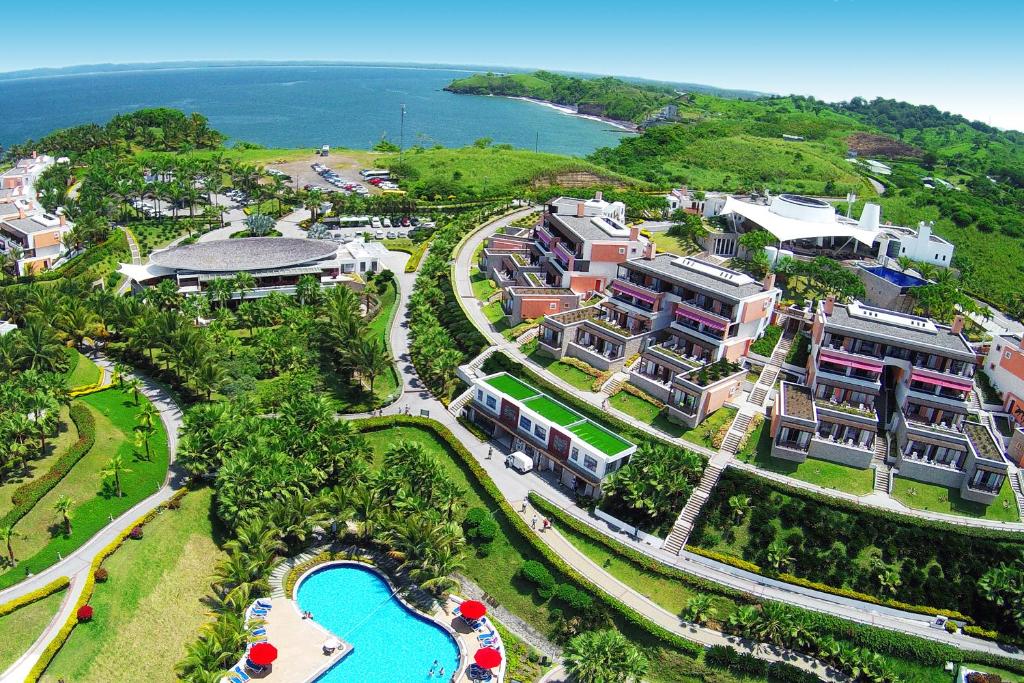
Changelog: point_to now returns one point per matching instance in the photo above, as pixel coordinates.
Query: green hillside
(610, 97)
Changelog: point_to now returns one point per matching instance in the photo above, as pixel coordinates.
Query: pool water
(390, 643)
(896, 277)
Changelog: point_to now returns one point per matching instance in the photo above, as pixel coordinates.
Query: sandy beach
(564, 109)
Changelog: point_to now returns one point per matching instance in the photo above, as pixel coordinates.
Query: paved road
(77, 565)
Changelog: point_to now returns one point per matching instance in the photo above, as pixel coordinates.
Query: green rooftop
(510, 386)
(551, 410)
(599, 438)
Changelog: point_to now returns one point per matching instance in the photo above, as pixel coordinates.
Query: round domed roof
(803, 208)
(250, 253)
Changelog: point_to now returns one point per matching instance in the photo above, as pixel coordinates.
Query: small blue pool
(896, 277)
(390, 643)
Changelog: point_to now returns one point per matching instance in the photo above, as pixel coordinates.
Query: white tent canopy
(785, 228)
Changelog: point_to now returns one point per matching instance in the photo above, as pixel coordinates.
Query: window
(590, 463)
(362, 266)
(552, 306)
(540, 432)
(1006, 355)
(491, 403)
(525, 424)
(479, 395)
(622, 250)
(575, 455)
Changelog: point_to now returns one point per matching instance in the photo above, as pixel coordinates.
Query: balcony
(705, 315)
(609, 324)
(833, 376)
(859, 409)
(715, 337)
(627, 284)
(919, 458)
(838, 349)
(792, 446)
(639, 308)
(674, 355)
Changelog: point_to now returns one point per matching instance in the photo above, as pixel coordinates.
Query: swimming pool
(896, 277)
(390, 643)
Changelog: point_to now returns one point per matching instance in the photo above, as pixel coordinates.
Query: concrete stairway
(1015, 484)
(878, 461)
(286, 565)
(460, 402)
(736, 432)
(782, 349)
(614, 383)
(770, 372)
(680, 532)
(529, 335)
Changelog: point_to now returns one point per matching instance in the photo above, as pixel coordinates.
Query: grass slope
(921, 496)
(151, 606)
(56, 446)
(24, 625)
(83, 371)
(115, 415)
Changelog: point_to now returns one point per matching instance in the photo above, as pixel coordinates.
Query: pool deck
(300, 656)
(467, 639)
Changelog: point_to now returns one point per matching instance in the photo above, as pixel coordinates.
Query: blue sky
(965, 57)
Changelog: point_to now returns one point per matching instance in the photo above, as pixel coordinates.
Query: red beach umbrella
(487, 657)
(473, 609)
(262, 654)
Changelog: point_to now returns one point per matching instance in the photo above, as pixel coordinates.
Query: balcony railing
(861, 409)
(792, 445)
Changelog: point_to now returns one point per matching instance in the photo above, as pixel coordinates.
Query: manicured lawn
(483, 287)
(56, 446)
(157, 234)
(84, 373)
(703, 432)
(599, 438)
(494, 312)
(568, 373)
(670, 245)
(646, 412)
(152, 604)
(512, 386)
(552, 411)
(813, 471)
(115, 415)
(22, 626)
(915, 494)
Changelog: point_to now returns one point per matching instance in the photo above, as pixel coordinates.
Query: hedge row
(629, 614)
(36, 595)
(90, 583)
(825, 588)
(416, 255)
(28, 494)
(878, 639)
(850, 506)
(749, 665)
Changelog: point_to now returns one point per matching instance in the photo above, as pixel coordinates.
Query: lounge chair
(240, 673)
(258, 611)
(234, 679)
(259, 632)
(263, 604)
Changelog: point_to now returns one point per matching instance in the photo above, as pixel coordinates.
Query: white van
(519, 461)
(375, 222)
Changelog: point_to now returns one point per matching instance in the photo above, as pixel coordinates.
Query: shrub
(101, 575)
(767, 341)
(84, 613)
(27, 495)
(34, 596)
(537, 574)
(136, 532)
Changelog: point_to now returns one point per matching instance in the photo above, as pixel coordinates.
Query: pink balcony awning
(940, 381)
(707, 320)
(544, 236)
(860, 364)
(634, 292)
(562, 252)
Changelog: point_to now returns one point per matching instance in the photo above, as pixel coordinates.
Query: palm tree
(146, 427)
(41, 407)
(296, 516)
(370, 295)
(739, 505)
(63, 507)
(604, 657)
(134, 384)
(905, 263)
(220, 290)
(114, 469)
(243, 282)
(699, 609)
(7, 536)
(209, 377)
(371, 358)
(78, 321)
(39, 348)
(308, 290)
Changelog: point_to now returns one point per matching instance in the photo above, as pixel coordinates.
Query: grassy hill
(493, 171)
(610, 97)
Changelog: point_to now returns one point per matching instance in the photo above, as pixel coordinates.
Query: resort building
(38, 238)
(1004, 366)
(579, 452)
(687, 322)
(807, 226)
(576, 246)
(276, 263)
(883, 384)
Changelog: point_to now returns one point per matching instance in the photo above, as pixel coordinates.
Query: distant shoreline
(569, 111)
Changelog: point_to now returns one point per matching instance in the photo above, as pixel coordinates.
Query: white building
(922, 245)
(878, 167)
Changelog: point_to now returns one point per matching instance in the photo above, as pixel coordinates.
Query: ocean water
(301, 106)
(389, 643)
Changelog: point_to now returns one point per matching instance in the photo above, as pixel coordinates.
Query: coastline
(624, 126)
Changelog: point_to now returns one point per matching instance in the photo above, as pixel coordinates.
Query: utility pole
(401, 133)
(536, 143)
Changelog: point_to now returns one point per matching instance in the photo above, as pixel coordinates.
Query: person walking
(533, 523)
(523, 509)
(490, 452)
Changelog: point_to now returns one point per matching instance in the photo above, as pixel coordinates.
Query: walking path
(78, 564)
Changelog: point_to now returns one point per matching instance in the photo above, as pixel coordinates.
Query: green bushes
(800, 351)
(842, 548)
(34, 596)
(27, 495)
(480, 529)
(749, 665)
(767, 341)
